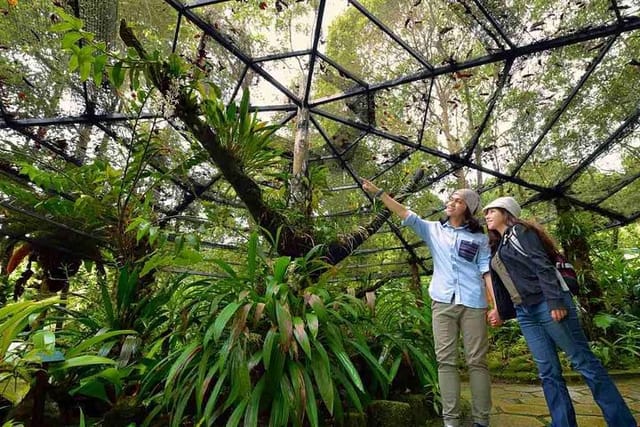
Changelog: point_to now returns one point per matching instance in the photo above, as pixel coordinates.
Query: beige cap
(507, 203)
(471, 198)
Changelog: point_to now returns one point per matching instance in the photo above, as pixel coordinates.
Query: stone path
(523, 405)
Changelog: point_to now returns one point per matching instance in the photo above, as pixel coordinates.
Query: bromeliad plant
(264, 348)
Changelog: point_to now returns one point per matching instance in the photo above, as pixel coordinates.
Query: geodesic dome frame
(505, 43)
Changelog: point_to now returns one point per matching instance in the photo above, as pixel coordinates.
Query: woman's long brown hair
(547, 241)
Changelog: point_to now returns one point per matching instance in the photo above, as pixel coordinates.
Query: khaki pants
(449, 320)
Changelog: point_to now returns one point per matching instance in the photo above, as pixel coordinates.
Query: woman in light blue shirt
(460, 289)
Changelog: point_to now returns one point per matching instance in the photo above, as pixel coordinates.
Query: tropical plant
(264, 345)
(619, 344)
(401, 326)
(34, 353)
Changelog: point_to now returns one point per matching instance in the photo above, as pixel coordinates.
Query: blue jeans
(544, 336)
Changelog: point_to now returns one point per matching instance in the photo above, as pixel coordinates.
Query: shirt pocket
(468, 250)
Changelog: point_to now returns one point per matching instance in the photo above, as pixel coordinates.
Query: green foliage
(258, 343)
(622, 350)
(404, 340)
(618, 273)
(15, 374)
(240, 132)
(29, 343)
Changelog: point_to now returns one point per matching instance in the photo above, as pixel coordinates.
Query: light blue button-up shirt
(460, 258)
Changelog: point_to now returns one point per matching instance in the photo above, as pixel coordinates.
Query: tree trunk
(453, 144)
(299, 185)
(471, 129)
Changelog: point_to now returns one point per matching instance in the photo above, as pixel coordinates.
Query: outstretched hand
(369, 186)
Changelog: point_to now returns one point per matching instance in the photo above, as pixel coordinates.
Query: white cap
(507, 203)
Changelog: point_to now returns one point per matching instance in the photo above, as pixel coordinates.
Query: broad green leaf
(226, 267)
(98, 69)
(188, 256)
(85, 70)
(70, 38)
(346, 363)
(186, 356)
(297, 384)
(74, 62)
(155, 262)
(318, 306)
(237, 414)
(183, 398)
(61, 27)
(86, 360)
(82, 421)
(93, 388)
(393, 371)
(153, 234)
(74, 22)
(240, 377)
(301, 335)
(210, 407)
(203, 386)
(311, 404)
(44, 341)
(280, 268)
(117, 75)
(381, 375)
(252, 257)
(269, 346)
(143, 229)
(231, 112)
(321, 368)
(223, 318)
(13, 388)
(351, 393)
(279, 415)
(276, 369)
(134, 224)
(18, 315)
(284, 324)
(127, 284)
(312, 324)
(253, 407)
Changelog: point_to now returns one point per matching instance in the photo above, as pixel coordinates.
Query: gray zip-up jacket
(532, 272)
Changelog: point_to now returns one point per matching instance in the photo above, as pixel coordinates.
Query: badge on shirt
(468, 249)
